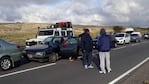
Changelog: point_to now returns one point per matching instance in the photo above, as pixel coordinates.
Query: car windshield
(134, 35)
(72, 40)
(47, 40)
(119, 35)
(47, 32)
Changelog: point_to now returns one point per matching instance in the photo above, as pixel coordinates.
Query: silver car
(9, 54)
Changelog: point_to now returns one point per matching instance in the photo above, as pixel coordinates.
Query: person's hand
(84, 50)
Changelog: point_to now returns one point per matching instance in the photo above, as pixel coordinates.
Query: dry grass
(19, 32)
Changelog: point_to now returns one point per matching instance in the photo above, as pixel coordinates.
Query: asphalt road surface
(63, 71)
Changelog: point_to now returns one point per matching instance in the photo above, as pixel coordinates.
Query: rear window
(69, 33)
(63, 33)
(134, 35)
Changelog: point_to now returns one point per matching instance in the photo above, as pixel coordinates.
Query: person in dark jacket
(86, 46)
(104, 46)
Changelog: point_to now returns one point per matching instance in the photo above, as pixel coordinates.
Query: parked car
(10, 54)
(122, 38)
(146, 35)
(136, 37)
(52, 49)
(95, 42)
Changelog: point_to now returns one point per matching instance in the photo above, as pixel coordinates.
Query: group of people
(104, 46)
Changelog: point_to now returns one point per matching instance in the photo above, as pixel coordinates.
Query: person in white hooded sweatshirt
(104, 46)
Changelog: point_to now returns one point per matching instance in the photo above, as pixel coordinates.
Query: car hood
(37, 47)
(119, 38)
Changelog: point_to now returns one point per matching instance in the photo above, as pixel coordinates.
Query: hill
(19, 32)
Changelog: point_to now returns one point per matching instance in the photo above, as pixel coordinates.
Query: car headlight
(40, 53)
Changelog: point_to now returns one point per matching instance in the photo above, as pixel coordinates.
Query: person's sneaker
(71, 59)
(102, 72)
(86, 67)
(90, 66)
(109, 71)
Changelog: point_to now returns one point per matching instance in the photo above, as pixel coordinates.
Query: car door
(55, 43)
(70, 48)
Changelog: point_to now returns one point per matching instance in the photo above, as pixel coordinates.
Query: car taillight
(18, 46)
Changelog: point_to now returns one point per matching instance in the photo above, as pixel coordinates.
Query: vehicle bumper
(37, 58)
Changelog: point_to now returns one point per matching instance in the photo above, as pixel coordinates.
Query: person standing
(104, 46)
(86, 46)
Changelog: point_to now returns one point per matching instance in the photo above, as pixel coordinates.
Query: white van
(122, 38)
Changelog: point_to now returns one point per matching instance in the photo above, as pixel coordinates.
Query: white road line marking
(119, 48)
(135, 44)
(26, 70)
(129, 71)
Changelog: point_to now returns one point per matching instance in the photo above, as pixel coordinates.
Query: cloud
(94, 12)
(126, 12)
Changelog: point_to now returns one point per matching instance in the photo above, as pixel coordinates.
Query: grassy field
(19, 32)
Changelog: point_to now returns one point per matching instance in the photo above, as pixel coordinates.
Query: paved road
(139, 76)
(123, 58)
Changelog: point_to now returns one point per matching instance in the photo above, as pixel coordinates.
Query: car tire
(5, 63)
(79, 52)
(124, 42)
(53, 57)
(137, 41)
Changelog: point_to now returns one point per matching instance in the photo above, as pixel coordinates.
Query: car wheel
(124, 43)
(5, 63)
(53, 57)
(137, 41)
(79, 52)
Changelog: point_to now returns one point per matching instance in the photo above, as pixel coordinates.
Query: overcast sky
(92, 12)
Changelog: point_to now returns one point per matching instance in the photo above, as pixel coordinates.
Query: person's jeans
(87, 58)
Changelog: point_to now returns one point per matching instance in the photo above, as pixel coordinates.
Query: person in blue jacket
(86, 46)
(104, 46)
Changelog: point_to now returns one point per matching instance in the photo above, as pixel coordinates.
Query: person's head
(86, 30)
(102, 31)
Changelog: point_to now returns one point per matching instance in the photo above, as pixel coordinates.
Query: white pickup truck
(61, 29)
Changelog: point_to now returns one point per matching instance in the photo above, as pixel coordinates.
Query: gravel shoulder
(139, 76)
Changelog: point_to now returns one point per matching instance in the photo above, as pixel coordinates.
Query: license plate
(30, 55)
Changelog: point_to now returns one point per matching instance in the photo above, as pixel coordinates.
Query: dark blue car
(51, 49)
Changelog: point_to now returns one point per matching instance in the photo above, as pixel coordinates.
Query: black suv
(51, 49)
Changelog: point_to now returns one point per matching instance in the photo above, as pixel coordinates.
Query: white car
(122, 38)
